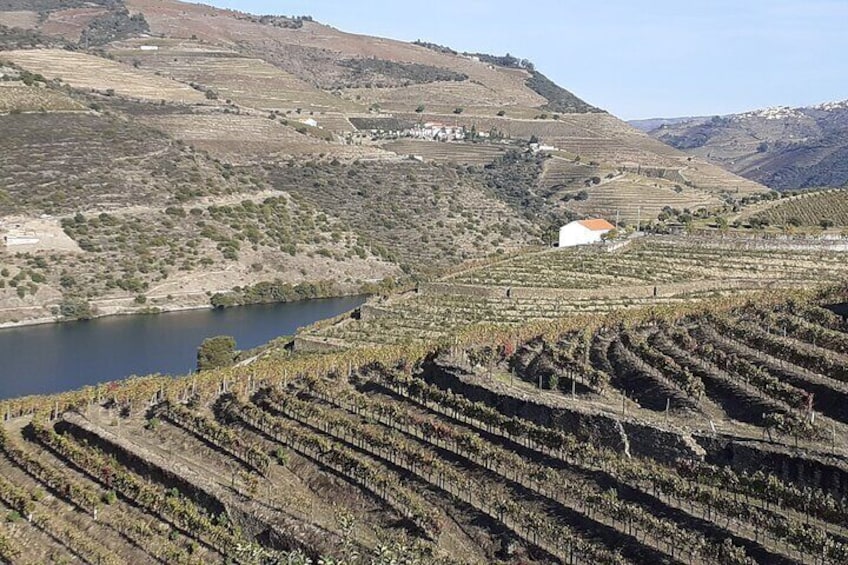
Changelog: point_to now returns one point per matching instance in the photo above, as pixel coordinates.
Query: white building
(583, 232)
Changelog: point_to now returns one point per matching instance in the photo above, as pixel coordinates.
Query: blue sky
(637, 59)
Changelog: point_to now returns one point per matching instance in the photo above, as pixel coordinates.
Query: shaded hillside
(783, 148)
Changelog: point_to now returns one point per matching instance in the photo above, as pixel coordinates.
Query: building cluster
(428, 131)
(435, 131)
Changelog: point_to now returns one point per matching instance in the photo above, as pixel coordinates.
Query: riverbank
(57, 357)
(128, 306)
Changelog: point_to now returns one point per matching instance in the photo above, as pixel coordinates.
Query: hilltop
(650, 124)
(161, 154)
(783, 148)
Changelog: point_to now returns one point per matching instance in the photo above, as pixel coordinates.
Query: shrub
(216, 352)
(282, 456)
(76, 309)
(109, 498)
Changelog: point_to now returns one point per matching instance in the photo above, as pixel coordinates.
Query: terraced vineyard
(659, 260)
(552, 284)
(808, 210)
(602, 141)
(468, 153)
(247, 81)
(245, 138)
(89, 72)
(709, 434)
(633, 198)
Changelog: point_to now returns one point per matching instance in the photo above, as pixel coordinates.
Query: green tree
(610, 235)
(215, 352)
(419, 109)
(76, 309)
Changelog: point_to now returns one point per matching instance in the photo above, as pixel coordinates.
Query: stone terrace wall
(602, 429)
(608, 293)
(792, 466)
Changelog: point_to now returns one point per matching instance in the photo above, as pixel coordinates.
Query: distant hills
(650, 124)
(783, 148)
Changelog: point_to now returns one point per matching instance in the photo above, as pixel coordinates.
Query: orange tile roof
(597, 225)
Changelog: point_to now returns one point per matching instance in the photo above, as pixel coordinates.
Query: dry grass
(441, 96)
(15, 97)
(71, 23)
(21, 19)
(60, 163)
(468, 153)
(609, 142)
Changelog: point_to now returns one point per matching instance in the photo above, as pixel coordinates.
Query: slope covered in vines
(677, 434)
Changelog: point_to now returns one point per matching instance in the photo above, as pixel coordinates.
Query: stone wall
(607, 293)
(819, 471)
(615, 432)
(371, 312)
(315, 344)
(441, 289)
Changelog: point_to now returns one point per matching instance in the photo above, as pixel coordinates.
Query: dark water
(59, 357)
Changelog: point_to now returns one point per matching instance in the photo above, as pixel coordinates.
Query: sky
(637, 58)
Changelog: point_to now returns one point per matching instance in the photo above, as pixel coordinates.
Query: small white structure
(149, 48)
(310, 122)
(583, 232)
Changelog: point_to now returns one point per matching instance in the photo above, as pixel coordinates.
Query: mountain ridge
(782, 147)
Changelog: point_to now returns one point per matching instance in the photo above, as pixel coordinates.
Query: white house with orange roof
(583, 232)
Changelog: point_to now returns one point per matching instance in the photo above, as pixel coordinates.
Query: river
(59, 357)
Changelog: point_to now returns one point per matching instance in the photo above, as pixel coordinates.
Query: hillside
(823, 209)
(783, 148)
(202, 149)
(709, 434)
(650, 124)
(660, 398)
